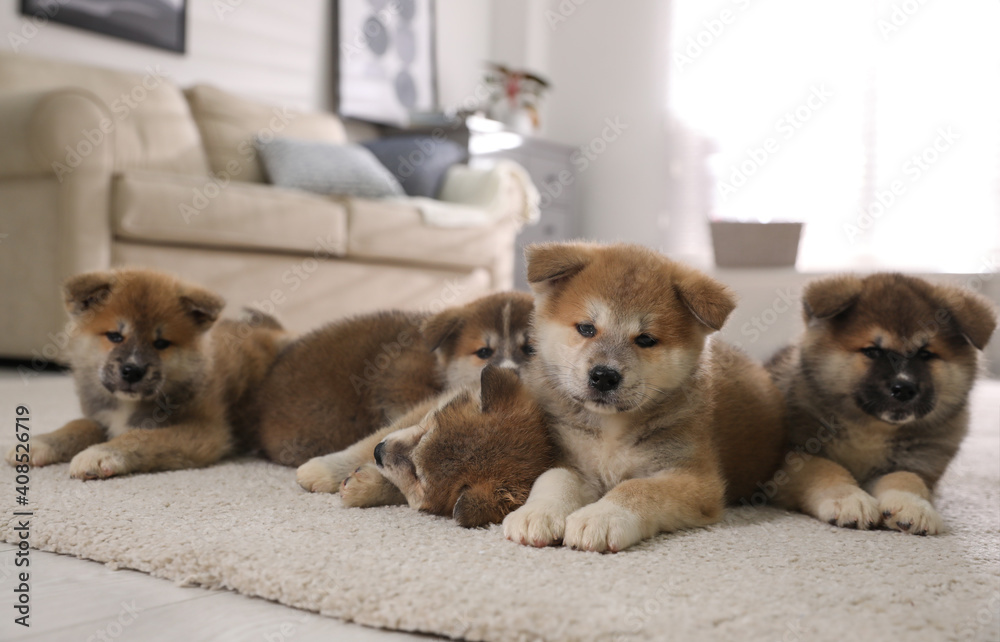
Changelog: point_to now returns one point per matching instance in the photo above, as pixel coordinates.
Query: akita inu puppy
(161, 384)
(473, 456)
(341, 383)
(656, 426)
(878, 391)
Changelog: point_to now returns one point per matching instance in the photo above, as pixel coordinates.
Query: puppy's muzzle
(604, 379)
(132, 373)
(902, 390)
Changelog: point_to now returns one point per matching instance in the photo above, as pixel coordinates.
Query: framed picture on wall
(386, 59)
(158, 23)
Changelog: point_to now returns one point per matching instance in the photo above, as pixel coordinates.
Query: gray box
(741, 245)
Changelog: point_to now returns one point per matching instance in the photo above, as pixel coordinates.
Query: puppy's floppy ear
(83, 292)
(708, 300)
(551, 265)
(829, 297)
(201, 305)
(482, 504)
(441, 330)
(974, 315)
(499, 387)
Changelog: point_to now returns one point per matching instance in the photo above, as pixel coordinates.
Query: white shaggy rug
(759, 575)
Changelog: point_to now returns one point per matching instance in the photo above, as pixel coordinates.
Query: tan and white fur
(657, 426)
(877, 391)
(162, 385)
(315, 415)
(473, 456)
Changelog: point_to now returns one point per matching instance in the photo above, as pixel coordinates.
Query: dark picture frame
(386, 59)
(157, 23)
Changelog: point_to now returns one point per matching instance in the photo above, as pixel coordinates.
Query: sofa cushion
(326, 168)
(148, 117)
(394, 230)
(230, 126)
(201, 211)
(418, 162)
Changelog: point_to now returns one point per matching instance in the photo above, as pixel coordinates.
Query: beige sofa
(100, 168)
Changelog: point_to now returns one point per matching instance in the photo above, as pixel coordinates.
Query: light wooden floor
(74, 599)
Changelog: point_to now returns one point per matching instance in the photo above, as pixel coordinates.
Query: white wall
(269, 49)
(463, 48)
(607, 64)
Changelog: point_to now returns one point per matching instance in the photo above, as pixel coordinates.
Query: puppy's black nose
(604, 378)
(378, 453)
(132, 373)
(902, 390)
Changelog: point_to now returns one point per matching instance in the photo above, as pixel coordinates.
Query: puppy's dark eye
(114, 337)
(872, 352)
(925, 354)
(161, 344)
(586, 329)
(645, 341)
(527, 349)
(484, 353)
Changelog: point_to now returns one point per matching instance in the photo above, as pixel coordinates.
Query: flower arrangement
(514, 93)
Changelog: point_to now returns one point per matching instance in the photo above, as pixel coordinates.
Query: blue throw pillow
(419, 163)
(326, 168)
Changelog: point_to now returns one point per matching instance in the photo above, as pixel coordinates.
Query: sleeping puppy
(162, 386)
(657, 426)
(340, 384)
(877, 391)
(473, 456)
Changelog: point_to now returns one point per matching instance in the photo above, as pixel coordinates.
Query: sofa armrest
(54, 133)
(505, 191)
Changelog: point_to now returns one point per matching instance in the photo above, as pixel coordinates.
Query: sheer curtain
(877, 123)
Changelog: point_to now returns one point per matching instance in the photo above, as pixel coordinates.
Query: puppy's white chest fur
(116, 420)
(605, 459)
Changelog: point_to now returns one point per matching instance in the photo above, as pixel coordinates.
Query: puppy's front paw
(317, 477)
(39, 454)
(602, 526)
(909, 513)
(366, 487)
(848, 506)
(538, 523)
(98, 462)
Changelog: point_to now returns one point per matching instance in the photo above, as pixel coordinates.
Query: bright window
(875, 123)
